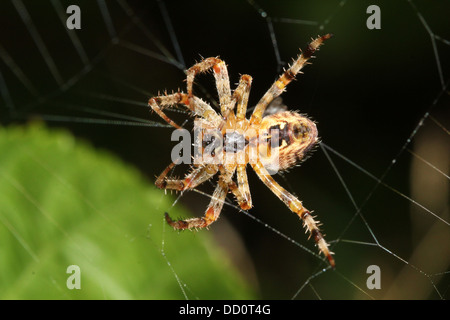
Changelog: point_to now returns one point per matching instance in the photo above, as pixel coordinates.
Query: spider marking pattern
(296, 136)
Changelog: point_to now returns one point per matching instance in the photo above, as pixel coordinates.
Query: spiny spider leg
(295, 206)
(222, 81)
(198, 107)
(212, 212)
(192, 180)
(279, 85)
(241, 95)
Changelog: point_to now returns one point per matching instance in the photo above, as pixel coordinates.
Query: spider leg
(279, 85)
(198, 107)
(242, 194)
(243, 188)
(295, 206)
(193, 179)
(204, 110)
(241, 95)
(160, 102)
(222, 81)
(212, 212)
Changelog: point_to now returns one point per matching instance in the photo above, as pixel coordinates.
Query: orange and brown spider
(243, 138)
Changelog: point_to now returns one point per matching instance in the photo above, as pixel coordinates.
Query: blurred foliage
(63, 203)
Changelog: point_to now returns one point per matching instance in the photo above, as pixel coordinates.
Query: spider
(293, 133)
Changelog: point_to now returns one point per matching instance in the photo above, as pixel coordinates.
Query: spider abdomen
(289, 136)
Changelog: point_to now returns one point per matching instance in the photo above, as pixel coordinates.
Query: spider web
(379, 182)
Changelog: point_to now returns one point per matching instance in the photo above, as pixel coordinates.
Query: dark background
(367, 89)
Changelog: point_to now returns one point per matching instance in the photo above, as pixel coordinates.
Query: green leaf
(63, 203)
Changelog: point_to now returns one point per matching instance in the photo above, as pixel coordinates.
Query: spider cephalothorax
(228, 142)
